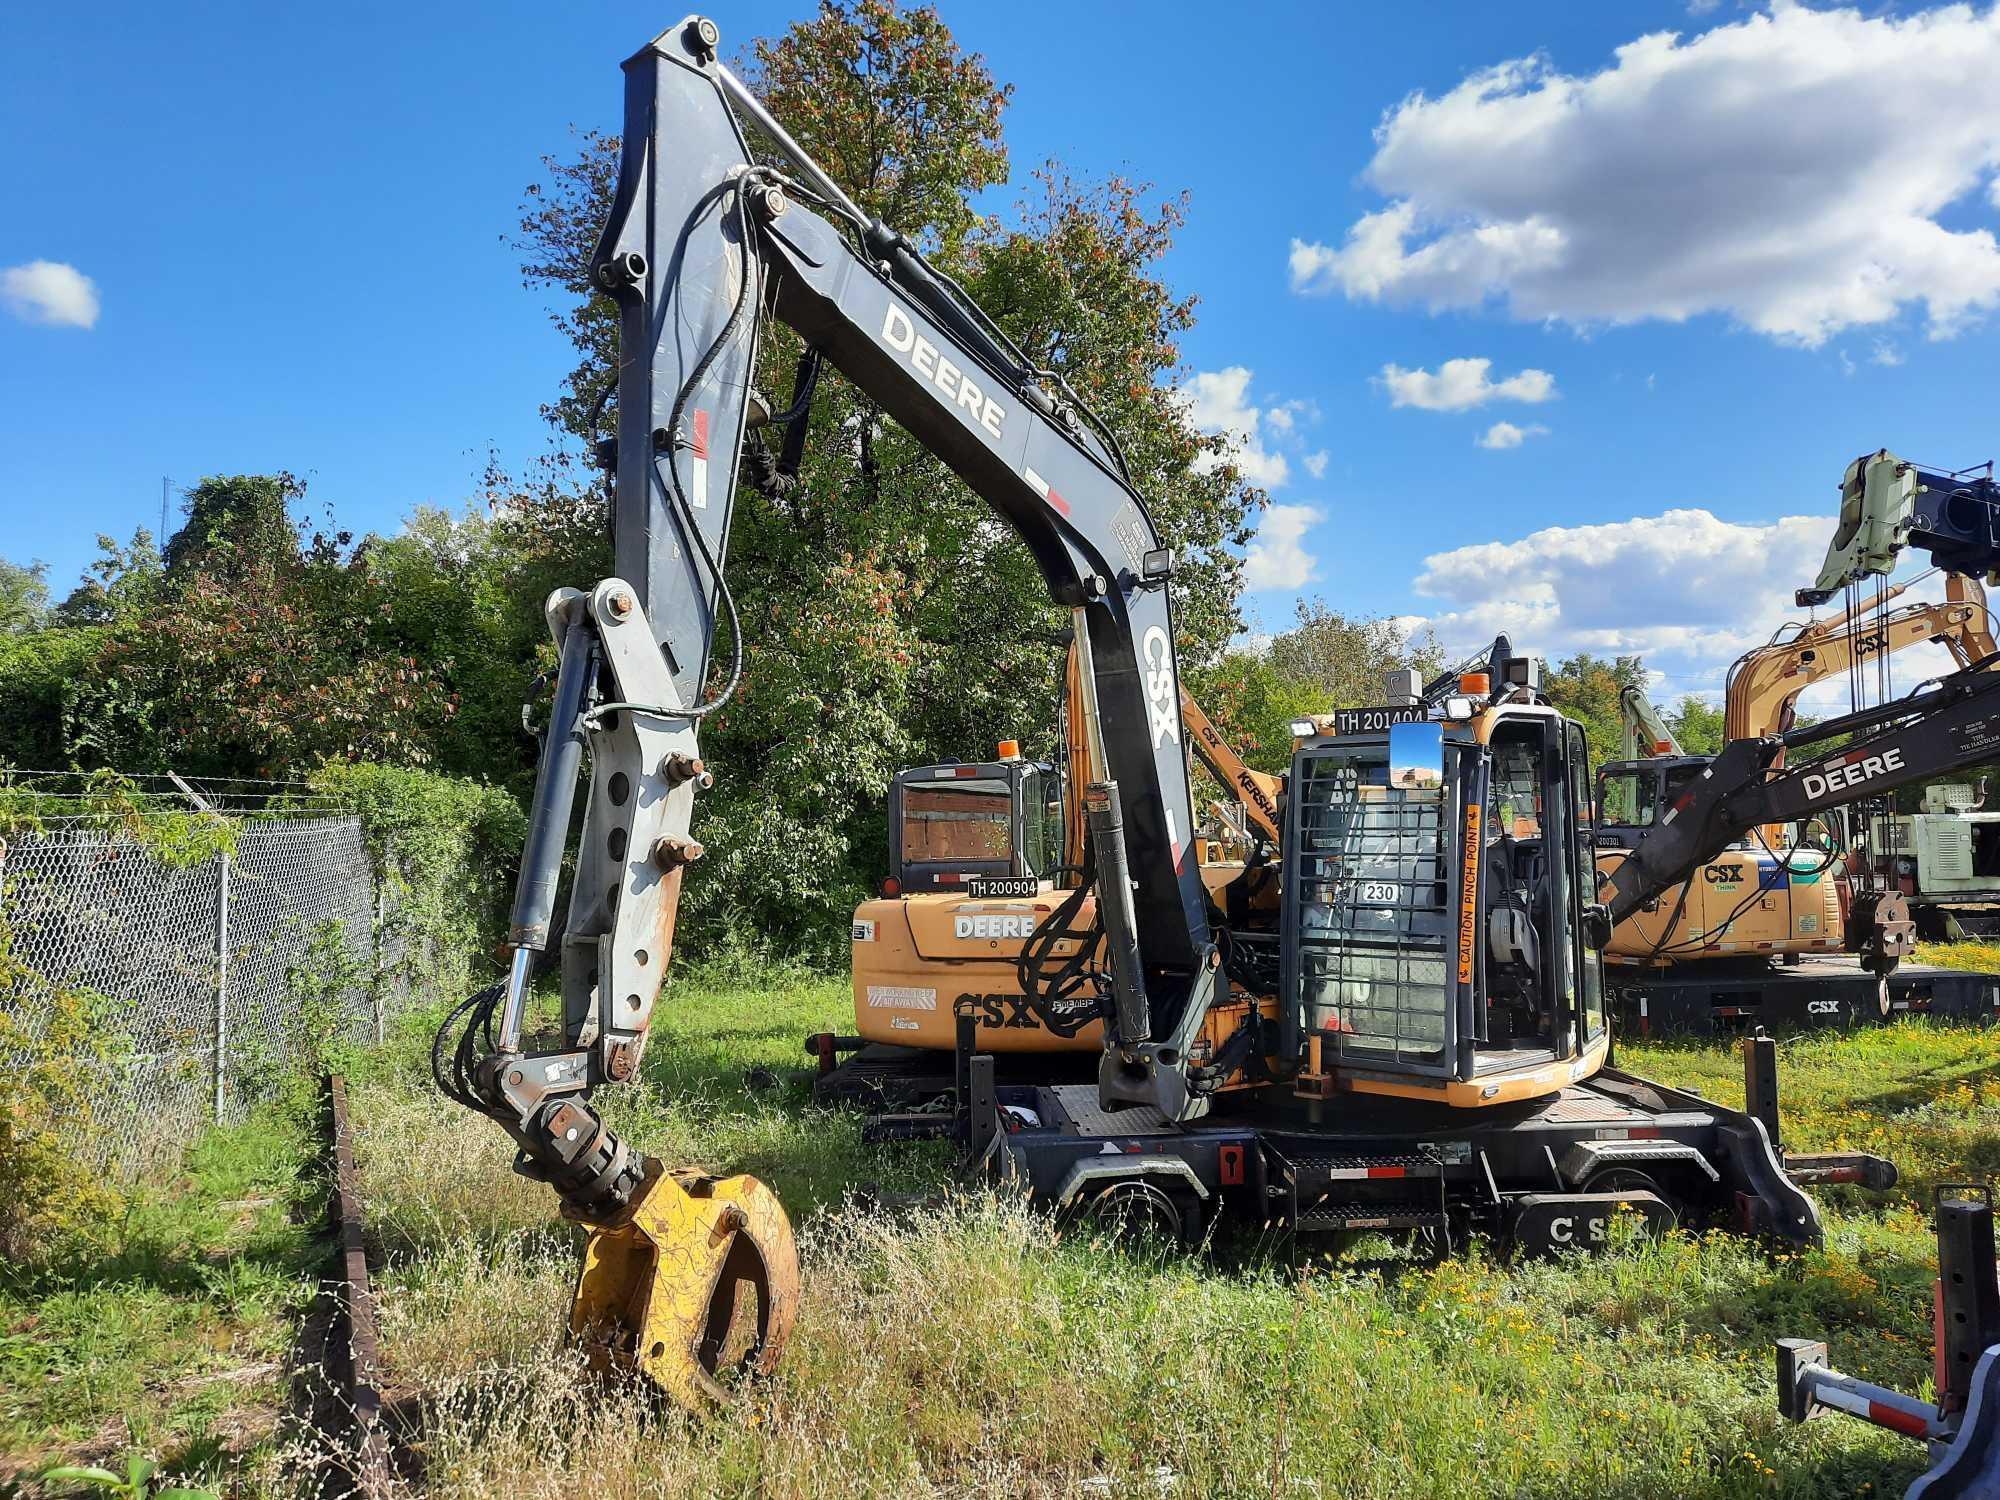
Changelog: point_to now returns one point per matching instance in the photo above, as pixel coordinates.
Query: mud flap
(1548, 1223)
(662, 1286)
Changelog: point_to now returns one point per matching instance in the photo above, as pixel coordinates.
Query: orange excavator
(1774, 895)
(980, 855)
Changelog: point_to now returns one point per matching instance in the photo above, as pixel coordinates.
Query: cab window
(1041, 819)
(1588, 963)
(968, 819)
(1633, 799)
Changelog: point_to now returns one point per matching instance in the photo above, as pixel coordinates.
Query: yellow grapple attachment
(698, 1277)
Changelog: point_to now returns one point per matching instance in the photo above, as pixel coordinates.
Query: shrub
(446, 849)
(55, 1050)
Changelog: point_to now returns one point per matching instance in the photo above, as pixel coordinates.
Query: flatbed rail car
(1816, 992)
(1541, 1175)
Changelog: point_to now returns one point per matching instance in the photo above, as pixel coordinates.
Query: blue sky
(1736, 260)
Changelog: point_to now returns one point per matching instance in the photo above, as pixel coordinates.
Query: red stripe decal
(1643, 1133)
(701, 434)
(1057, 501)
(1904, 1422)
(1387, 1172)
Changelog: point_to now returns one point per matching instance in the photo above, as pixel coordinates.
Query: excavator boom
(1645, 732)
(704, 242)
(1764, 686)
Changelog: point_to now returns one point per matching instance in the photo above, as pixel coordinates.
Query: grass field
(974, 1349)
(171, 1338)
(977, 1350)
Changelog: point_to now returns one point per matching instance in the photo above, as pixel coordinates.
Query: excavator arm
(1646, 733)
(1764, 686)
(704, 242)
(1258, 791)
(1941, 728)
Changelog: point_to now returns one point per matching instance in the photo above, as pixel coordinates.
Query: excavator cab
(1437, 911)
(955, 825)
(1632, 795)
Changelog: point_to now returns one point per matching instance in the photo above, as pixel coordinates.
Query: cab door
(1370, 907)
(1587, 962)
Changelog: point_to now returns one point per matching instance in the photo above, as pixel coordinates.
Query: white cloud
(1316, 463)
(1219, 401)
(1886, 354)
(47, 291)
(1286, 417)
(1507, 435)
(1714, 174)
(1276, 559)
(1687, 590)
(1462, 384)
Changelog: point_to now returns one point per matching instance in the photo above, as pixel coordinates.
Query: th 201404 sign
(1363, 720)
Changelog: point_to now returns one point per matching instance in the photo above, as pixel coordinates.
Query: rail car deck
(1545, 1175)
(1834, 990)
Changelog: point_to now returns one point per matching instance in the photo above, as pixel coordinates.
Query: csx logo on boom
(1832, 778)
(1160, 706)
(900, 334)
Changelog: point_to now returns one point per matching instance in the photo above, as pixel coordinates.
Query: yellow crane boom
(1764, 686)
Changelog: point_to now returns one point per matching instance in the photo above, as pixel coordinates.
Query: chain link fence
(210, 979)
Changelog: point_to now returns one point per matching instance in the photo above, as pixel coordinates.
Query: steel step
(1333, 1216)
(1313, 1171)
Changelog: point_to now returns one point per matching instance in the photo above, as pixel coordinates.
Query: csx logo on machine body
(1564, 1231)
(987, 925)
(1822, 1007)
(1158, 654)
(1835, 775)
(900, 334)
(1012, 1012)
(1721, 874)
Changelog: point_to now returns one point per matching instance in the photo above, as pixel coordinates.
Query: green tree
(1344, 658)
(24, 596)
(465, 594)
(258, 653)
(1253, 703)
(42, 675)
(122, 580)
(1586, 688)
(887, 617)
(1696, 725)
(235, 524)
